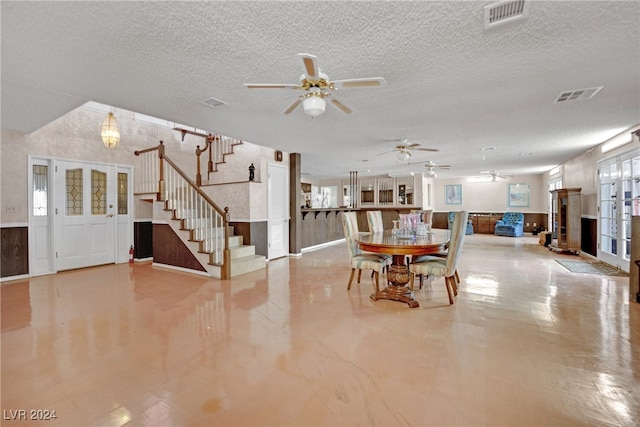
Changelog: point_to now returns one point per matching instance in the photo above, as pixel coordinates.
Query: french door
(619, 199)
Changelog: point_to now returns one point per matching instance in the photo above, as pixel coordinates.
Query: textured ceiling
(451, 84)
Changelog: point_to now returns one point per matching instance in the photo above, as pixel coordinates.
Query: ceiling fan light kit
(314, 104)
(317, 87)
(403, 155)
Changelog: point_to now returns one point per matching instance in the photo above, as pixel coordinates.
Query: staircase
(243, 257)
(195, 219)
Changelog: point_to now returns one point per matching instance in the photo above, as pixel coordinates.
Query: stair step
(247, 264)
(242, 251)
(235, 241)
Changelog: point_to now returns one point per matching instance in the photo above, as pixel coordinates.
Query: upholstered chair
(511, 224)
(427, 217)
(374, 219)
(361, 260)
(445, 267)
(468, 227)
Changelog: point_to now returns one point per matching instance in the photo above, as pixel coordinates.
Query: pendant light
(110, 132)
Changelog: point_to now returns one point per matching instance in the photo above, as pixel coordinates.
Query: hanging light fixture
(110, 132)
(403, 155)
(314, 104)
(430, 173)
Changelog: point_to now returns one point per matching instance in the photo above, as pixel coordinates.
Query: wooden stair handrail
(226, 267)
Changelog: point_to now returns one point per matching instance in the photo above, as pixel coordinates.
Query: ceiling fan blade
(386, 152)
(293, 106)
(340, 106)
(444, 166)
(269, 86)
(355, 83)
(310, 66)
(428, 149)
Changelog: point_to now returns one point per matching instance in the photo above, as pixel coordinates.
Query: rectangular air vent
(578, 94)
(212, 102)
(505, 11)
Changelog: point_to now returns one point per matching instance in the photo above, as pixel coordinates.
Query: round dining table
(436, 241)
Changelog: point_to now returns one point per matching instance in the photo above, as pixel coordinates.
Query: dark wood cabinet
(566, 219)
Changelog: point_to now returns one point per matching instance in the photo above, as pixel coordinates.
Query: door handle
(110, 215)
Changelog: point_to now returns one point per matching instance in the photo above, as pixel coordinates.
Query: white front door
(278, 205)
(85, 214)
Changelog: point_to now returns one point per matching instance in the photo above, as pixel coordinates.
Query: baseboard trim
(323, 245)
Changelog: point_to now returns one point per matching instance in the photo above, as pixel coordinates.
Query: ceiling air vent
(578, 94)
(505, 11)
(212, 102)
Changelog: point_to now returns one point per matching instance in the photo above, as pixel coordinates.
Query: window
(40, 190)
(73, 183)
(123, 193)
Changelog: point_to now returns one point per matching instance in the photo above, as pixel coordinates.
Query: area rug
(596, 267)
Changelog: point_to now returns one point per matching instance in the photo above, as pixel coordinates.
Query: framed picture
(453, 194)
(518, 195)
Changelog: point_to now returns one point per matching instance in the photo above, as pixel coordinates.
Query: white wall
(492, 196)
(76, 136)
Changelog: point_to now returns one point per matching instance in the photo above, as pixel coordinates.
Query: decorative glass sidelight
(123, 193)
(40, 190)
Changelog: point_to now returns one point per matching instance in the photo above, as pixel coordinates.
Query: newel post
(198, 174)
(226, 274)
(161, 172)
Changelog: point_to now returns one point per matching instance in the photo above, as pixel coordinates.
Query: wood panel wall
(634, 270)
(589, 237)
(322, 227)
(14, 242)
(143, 239)
(170, 250)
(485, 222)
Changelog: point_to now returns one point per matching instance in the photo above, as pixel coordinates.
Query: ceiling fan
(405, 149)
(430, 168)
(495, 176)
(317, 86)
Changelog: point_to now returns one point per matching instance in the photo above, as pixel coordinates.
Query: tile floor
(527, 343)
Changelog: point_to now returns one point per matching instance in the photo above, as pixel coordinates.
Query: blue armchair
(511, 224)
(469, 229)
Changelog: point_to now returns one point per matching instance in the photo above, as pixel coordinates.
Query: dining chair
(374, 219)
(427, 216)
(361, 260)
(444, 267)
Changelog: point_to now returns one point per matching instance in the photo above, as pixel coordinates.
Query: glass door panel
(619, 199)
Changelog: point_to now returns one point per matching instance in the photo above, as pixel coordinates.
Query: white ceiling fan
(496, 176)
(317, 86)
(405, 150)
(430, 168)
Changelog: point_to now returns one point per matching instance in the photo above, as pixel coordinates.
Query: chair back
(457, 240)
(374, 218)
(350, 227)
(513, 217)
(450, 217)
(427, 217)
